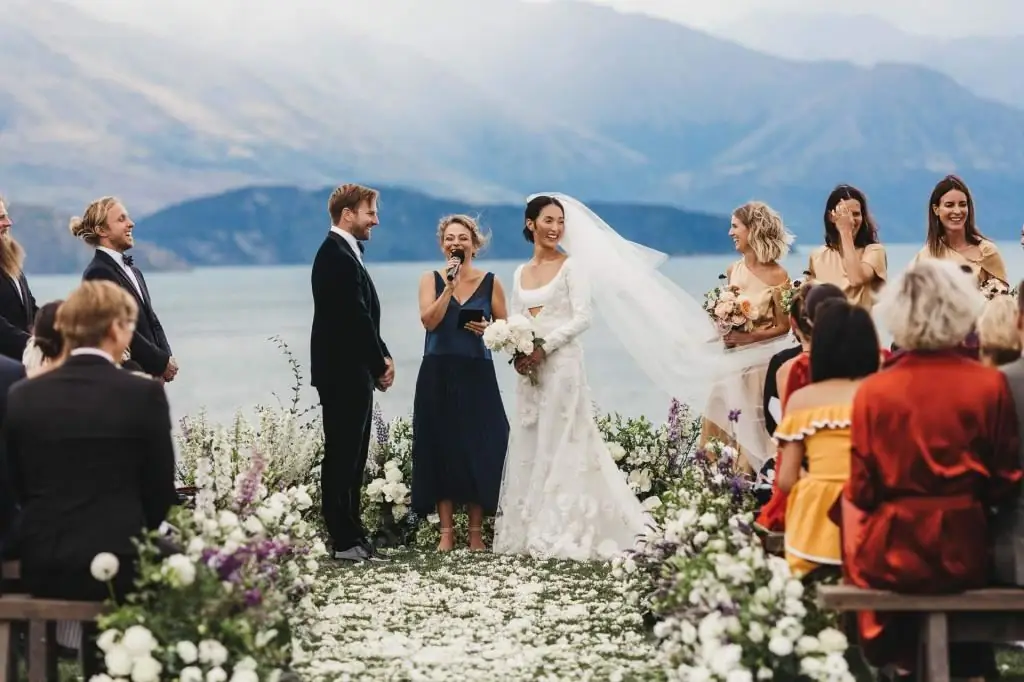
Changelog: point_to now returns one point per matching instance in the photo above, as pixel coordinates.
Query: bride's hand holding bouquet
(730, 312)
(516, 337)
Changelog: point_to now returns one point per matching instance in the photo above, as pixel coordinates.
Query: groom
(349, 360)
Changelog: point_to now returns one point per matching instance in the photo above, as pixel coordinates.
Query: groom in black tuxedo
(349, 359)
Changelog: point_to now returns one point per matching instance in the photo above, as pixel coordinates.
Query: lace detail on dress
(562, 495)
(32, 357)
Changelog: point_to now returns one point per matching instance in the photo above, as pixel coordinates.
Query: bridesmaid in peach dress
(760, 235)
(954, 236)
(851, 258)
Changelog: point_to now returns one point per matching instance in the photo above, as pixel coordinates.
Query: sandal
(448, 532)
(479, 531)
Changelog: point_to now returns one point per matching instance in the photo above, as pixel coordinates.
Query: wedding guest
(1008, 531)
(106, 226)
(852, 258)
(998, 337)
(46, 349)
(11, 372)
(915, 517)
(954, 236)
(793, 375)
(761, 237)
(816, 425)
(17, 305)
(90, 453)
(460, 431)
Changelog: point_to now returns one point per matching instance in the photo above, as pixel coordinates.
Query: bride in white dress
(562, 496)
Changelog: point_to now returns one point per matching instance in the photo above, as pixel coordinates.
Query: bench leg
(935, 639)
(42, 651)
(88, 653)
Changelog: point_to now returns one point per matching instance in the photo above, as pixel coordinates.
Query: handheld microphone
(453, 271)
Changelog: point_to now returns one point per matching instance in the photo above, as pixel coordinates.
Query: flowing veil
(664, 329)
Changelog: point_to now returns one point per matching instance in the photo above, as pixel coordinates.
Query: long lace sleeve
(579, 300)
(516, 303)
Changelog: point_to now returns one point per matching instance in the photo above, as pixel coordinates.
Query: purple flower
(253, 597)
(675, 409)
(734, 415)
(380, 427)
(250, 484)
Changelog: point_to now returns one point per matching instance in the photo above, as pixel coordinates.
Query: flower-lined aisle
(474, 616)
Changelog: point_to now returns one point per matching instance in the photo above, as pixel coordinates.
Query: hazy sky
(937, 17)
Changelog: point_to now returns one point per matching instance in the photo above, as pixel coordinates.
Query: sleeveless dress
(460, 430)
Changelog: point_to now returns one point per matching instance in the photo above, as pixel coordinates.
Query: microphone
(453, 271)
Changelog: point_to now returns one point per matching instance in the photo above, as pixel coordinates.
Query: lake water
(220, 321)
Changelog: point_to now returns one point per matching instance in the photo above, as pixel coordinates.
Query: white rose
(253, 525)
(244, 676)
(302, 499)
(806, 645)
(104, 566)
(181, 569)
(832, 641)
(195, 546)
(118, 661)
(708, 521)
(216, 675)
(139, 641)
(187, 652)
(617, 451)
(247, 663)
(107, 639)
(191, 674)
(212, 652)
(146, 669)
(780, 646)
(399, 511)
(525, 346)
(739, 676)
(393, 475)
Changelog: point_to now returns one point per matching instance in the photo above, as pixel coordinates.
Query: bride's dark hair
(533, 209)
(47, 339)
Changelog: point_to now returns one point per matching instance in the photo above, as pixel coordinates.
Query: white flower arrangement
(515, 337)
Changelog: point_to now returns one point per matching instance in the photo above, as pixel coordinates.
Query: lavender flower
(250, 483)
(674, 412)
(734, 415)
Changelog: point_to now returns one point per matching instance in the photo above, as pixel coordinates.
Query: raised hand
(842, 218)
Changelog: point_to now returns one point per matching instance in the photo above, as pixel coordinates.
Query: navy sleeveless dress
(460, 431)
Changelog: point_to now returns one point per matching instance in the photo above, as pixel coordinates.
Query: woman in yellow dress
(816, 426)
(761, 237)
(851, 258)
(954, 236)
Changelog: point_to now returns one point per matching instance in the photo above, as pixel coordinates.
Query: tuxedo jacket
(11, 372)
(17, 314)
(91, 461)
(346, 349)
(149, 347)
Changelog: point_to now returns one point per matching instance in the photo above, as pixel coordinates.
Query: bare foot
(476, 540)
(447, 543)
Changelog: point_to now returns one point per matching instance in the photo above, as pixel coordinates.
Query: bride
(562, 495)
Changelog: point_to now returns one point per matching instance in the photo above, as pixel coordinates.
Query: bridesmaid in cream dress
(851, 258)
(761, 237)
(954, 236)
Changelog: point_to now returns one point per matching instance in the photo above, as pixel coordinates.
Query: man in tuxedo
(90, 452)
(17, 305)
(11, 372)
(107, 227)
(349, 359)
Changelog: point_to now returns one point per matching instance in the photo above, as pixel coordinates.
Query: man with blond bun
(91, 454)
(349, 360)
(106, 226)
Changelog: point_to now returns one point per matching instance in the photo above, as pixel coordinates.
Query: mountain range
(484, 102)
(285, 225)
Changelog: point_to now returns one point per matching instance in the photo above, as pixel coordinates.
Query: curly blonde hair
(92, 220)
(997, 328)
(769, 237)
(476, 234)
(932, 306)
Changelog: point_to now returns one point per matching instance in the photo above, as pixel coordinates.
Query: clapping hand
(842, 218)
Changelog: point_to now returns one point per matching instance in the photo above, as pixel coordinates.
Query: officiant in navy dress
(460, 431)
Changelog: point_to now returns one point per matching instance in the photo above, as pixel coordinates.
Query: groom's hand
(388, 378)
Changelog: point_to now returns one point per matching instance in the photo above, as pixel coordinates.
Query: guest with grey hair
(921, 487)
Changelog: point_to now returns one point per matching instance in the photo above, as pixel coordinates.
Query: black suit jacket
(771, 386)
(11, 372)
(91, 461)
(149, 345)
(17, 314)
(345, 345)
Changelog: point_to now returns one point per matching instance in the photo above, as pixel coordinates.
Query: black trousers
(347, 416)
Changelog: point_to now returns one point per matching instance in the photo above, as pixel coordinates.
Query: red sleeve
(862, 487)
(1005, 465)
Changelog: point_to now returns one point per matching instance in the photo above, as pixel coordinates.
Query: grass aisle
(468, 616)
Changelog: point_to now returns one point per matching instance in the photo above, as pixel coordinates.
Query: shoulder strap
(438, 284)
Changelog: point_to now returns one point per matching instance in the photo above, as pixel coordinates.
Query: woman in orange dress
(851, 258)
(933, 447)
(817, 426)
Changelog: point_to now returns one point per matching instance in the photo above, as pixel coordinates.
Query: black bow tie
(128, 261)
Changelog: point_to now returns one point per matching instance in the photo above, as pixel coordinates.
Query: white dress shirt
(351, 242)
(119, 259)
(17, 287)
(93, 351)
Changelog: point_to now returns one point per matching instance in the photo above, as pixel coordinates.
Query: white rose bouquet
(515, 337)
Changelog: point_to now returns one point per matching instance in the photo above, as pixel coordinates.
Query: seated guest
(46, 349)
(998, 338)
(90, 453)
(934, 446)
(817, 426)
(11, 372)
(1008, 533)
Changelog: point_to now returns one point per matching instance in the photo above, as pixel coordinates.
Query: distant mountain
(50, 248)
(987, 65)
(481, 101)
(285, 225)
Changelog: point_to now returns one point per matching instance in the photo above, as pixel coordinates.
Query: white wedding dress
(562, 496)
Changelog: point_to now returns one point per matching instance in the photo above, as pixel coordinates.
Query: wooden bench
(989, 615)
(42, 616)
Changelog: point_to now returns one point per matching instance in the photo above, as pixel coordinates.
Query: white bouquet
(514, 337)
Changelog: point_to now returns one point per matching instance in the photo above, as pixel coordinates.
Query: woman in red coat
(933, 447)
